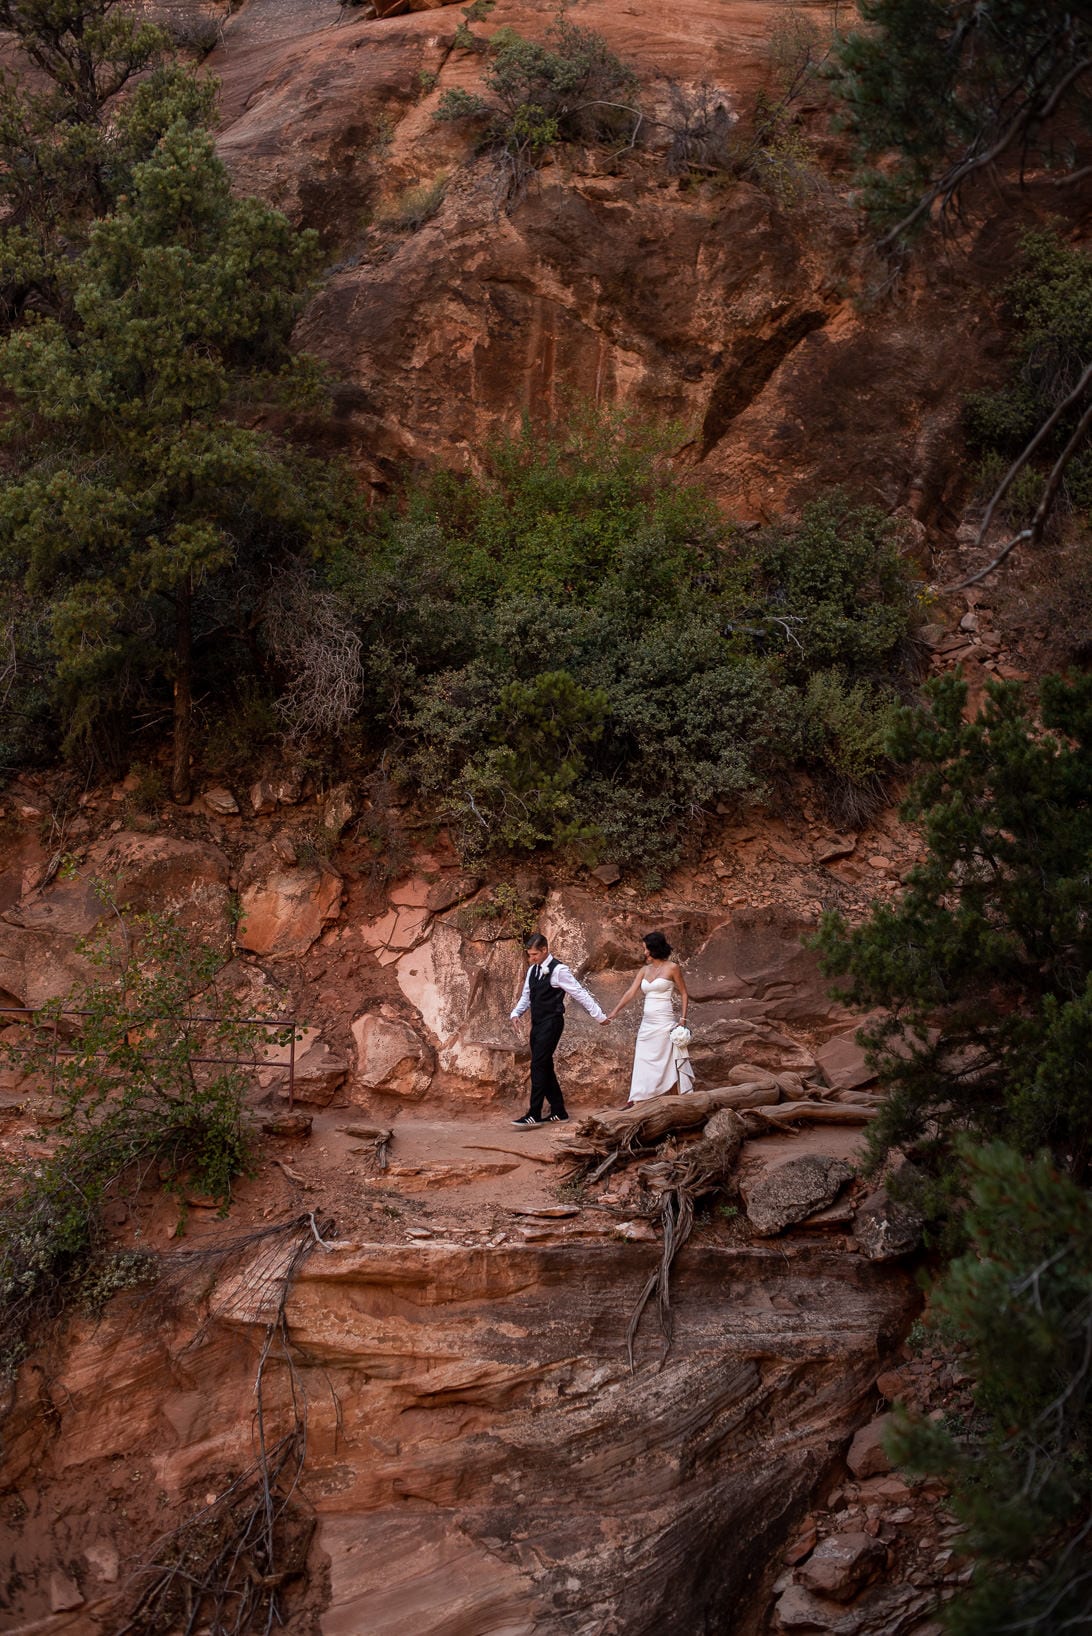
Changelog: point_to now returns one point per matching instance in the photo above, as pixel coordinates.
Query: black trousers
(544, 1085)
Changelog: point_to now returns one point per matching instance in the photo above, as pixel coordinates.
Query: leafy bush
(142, 1104)
(570, 88)
(581, 654)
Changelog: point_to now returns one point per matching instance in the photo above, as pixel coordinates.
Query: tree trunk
(181, 782)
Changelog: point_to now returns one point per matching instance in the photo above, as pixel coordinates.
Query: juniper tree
(142, 495)
(982, 972)
(103, 91)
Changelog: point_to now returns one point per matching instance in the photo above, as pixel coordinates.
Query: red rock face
(612, 281)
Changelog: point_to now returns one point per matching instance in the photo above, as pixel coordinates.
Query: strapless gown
(654, 1070)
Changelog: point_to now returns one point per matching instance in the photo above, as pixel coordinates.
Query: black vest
(546, 1001)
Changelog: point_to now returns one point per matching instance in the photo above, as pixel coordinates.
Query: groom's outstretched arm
(563, 978)
(524, 1002)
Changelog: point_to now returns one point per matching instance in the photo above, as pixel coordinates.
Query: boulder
(220, 801)
(319, 1074)
(884, 1228)
(297, 1126)
(724, 1040)
(867, 1456)
(841, 1565)
(263, 797)
(798, 1609)
(762, 957)
(185, 879)
(284, 908)
(793, 1190)
(391, 1057)
(843, 1063)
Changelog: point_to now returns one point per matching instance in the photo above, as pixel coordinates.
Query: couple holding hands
(660, 1060)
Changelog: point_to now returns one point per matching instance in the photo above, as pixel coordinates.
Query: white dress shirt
(560, 977)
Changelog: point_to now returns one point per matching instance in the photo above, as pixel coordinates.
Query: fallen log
(649, 1122)
(816, 1113)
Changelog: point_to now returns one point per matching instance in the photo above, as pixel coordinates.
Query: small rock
(890, 1385)
(798, 1609)
(803, 1544)
(64, 1593)
(221, 802)
(636, 1232)
(880, 863)
(608, 873)
(904, 1513)
(841, 1564)
(102, 1559)
(288, 1124)
(885, 1228)
(28, 812)
(838, 846)
(263, 798)
(720, 869)
(969, 622)
(867, 1456)
(419, 1232)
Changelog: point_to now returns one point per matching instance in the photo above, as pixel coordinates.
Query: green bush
(142, 1106)
(571, 88)
(580, 654)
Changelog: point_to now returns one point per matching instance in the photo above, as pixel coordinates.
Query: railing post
(292, 1069)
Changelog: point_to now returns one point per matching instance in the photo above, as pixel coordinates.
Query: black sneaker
(557, 1119)
(528, 1119)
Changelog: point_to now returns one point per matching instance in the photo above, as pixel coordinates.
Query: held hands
(603, 1021)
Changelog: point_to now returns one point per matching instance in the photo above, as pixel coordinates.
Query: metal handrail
(244, 1062)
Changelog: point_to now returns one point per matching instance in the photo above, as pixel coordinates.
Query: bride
(655, 1072)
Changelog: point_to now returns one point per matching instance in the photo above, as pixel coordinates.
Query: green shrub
(571, 88)
(838, 591)
(581, 654)
(845, 729)
(980, 978)
(142, 1105)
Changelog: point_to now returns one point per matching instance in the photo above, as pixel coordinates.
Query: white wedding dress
(655, 1071)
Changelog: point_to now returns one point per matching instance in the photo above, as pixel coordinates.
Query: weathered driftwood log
(702, 1168)
(816, 1113)
(381, 1135)
(626, 1130)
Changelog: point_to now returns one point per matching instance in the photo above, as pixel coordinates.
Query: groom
(544, 989)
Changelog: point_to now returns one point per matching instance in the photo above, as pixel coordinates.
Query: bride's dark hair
(657, 945)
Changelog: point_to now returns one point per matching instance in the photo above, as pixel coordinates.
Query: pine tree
(983, 969)
(1018, 1307)
(142, 491)
(104, 90)
(953, 88)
